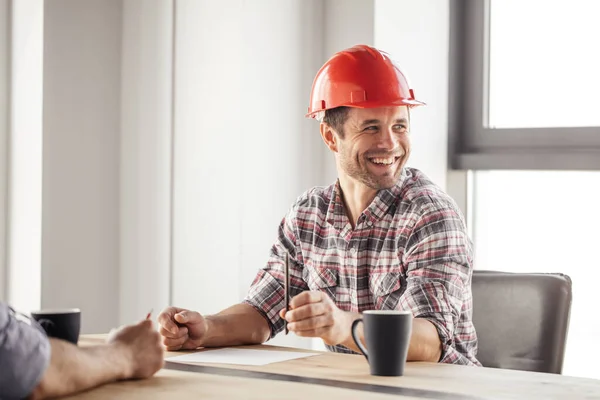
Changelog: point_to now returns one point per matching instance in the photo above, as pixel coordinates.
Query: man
(382, 237)
(33, 366)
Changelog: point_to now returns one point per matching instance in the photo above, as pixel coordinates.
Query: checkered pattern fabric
(408, 251)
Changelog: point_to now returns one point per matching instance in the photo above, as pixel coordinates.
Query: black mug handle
(47, 325)
(357, 340)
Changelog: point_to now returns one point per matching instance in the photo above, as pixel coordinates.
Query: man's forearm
(349, 342)
(73, 369)
(237, 325)
(424, 343)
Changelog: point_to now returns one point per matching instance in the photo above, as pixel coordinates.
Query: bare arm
(425, 344)
(314, 314)
(132, 352)
(73, 369)
(237, 325)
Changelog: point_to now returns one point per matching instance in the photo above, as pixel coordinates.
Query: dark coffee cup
(387, 335)
(60, 323)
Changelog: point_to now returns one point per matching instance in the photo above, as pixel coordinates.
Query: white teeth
(386, 161)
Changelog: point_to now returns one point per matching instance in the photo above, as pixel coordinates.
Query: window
(545, 221)
(544, 71)
(524, 84)
(523, 113)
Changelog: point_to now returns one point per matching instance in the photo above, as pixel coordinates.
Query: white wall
(243, 149)
(347, 23)
(415, 33)
(281, 148)
(4, 135)
(207, 154)
(145, 188)
(106, 195)
(25, 187)
(82, 75)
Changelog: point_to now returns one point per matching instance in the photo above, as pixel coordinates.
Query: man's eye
(400, 127)
(370, 128)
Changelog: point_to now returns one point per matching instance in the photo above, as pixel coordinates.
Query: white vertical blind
(25, 191)
(4, 135)
(243, 149)
(145, 161)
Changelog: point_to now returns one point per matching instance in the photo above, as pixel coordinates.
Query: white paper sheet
(240, 356)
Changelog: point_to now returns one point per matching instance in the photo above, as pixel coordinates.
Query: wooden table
(312, 377)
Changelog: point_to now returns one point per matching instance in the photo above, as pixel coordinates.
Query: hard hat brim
(371, 104)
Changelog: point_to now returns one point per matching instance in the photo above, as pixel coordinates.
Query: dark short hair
(336, 118)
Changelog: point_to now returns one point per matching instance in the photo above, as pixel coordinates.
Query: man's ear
(329, 137)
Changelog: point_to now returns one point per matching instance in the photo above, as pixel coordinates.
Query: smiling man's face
(374, 145)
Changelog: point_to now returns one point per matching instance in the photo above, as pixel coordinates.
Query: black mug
(387, 335)
(60, 323)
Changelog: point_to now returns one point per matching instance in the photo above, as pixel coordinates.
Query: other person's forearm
(73, 369)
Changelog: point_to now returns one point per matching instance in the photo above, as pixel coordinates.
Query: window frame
(472, 143)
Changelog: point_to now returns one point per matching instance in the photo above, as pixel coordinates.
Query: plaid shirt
(409, 251)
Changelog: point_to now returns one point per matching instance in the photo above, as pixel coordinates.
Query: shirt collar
(336, 214)
(384, 199)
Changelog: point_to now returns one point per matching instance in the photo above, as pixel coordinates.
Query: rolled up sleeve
(266, 294)
(24, 355)
(439, 269)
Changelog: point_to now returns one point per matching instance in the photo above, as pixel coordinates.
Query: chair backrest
(521, 319)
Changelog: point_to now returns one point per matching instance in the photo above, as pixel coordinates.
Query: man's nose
(387, 139)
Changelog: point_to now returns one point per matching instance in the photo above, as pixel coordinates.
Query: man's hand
(182, 329)
(314, 314)
(141, 345)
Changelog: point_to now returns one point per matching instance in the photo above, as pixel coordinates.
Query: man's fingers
(171, 343)
(310, 310)
(188, 317)
(310, 324)
(181, 332)
(307, 297)
(169, 326)
(165, 320)
(190, 345)
(320, 332)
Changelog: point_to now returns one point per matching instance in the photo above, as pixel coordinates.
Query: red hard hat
(361, 77)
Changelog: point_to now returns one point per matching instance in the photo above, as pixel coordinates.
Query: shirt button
(369, 223)
(353, 250)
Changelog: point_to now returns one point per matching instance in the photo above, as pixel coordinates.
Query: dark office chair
(521, 319)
